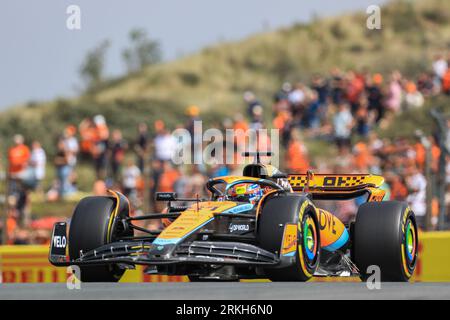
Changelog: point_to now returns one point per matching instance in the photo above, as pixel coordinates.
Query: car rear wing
(338, 186)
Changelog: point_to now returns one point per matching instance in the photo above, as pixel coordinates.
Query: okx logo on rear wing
(335, 186)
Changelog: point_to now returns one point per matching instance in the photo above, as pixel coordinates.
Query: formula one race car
(263, 224)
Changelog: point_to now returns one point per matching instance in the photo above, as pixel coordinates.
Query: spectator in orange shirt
(18, 157)
(240, 123)
(101, 145)
(446, 82)
(89, 136)
(11, 219)
(166, 183)
(420, 153)
(362, 156)
(240, 128)
(168, 177)
(398, 187)
(297, 156)
(279, 121)
(354, 89)
(435, 154)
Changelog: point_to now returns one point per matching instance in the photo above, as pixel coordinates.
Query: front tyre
(385, 235)
(90, 228)
(297, 210)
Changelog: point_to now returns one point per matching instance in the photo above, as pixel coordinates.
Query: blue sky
(40, 57)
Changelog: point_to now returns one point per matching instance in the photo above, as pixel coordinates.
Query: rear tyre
(290, 209)
(89, 230)
(385, 235)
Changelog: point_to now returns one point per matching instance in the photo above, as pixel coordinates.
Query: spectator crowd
(343, 110)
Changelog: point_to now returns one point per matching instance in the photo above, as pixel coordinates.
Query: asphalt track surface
(226, 291)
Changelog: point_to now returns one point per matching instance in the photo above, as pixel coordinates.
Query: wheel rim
(310, 238)
(410, 242)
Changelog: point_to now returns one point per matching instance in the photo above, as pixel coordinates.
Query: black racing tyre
(293, 209)
(89, 230)
(385, 235)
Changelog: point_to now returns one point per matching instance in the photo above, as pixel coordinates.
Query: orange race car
(263, 224)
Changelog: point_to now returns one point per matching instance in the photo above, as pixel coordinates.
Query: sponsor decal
(289, 240)
(238, 227)
(240, 208)
(59, 242)
(343, 181)
(333, 234)
(163, 242)
(327, 221)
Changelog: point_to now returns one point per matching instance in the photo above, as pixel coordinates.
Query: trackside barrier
(434, 253)
(30, 264)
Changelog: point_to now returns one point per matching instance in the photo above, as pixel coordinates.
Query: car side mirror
(166, 196)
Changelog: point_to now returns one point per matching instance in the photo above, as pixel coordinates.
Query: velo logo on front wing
(59, 242)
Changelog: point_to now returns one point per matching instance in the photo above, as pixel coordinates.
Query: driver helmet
(245, 192)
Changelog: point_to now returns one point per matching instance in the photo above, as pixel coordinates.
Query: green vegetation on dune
(215, 78)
